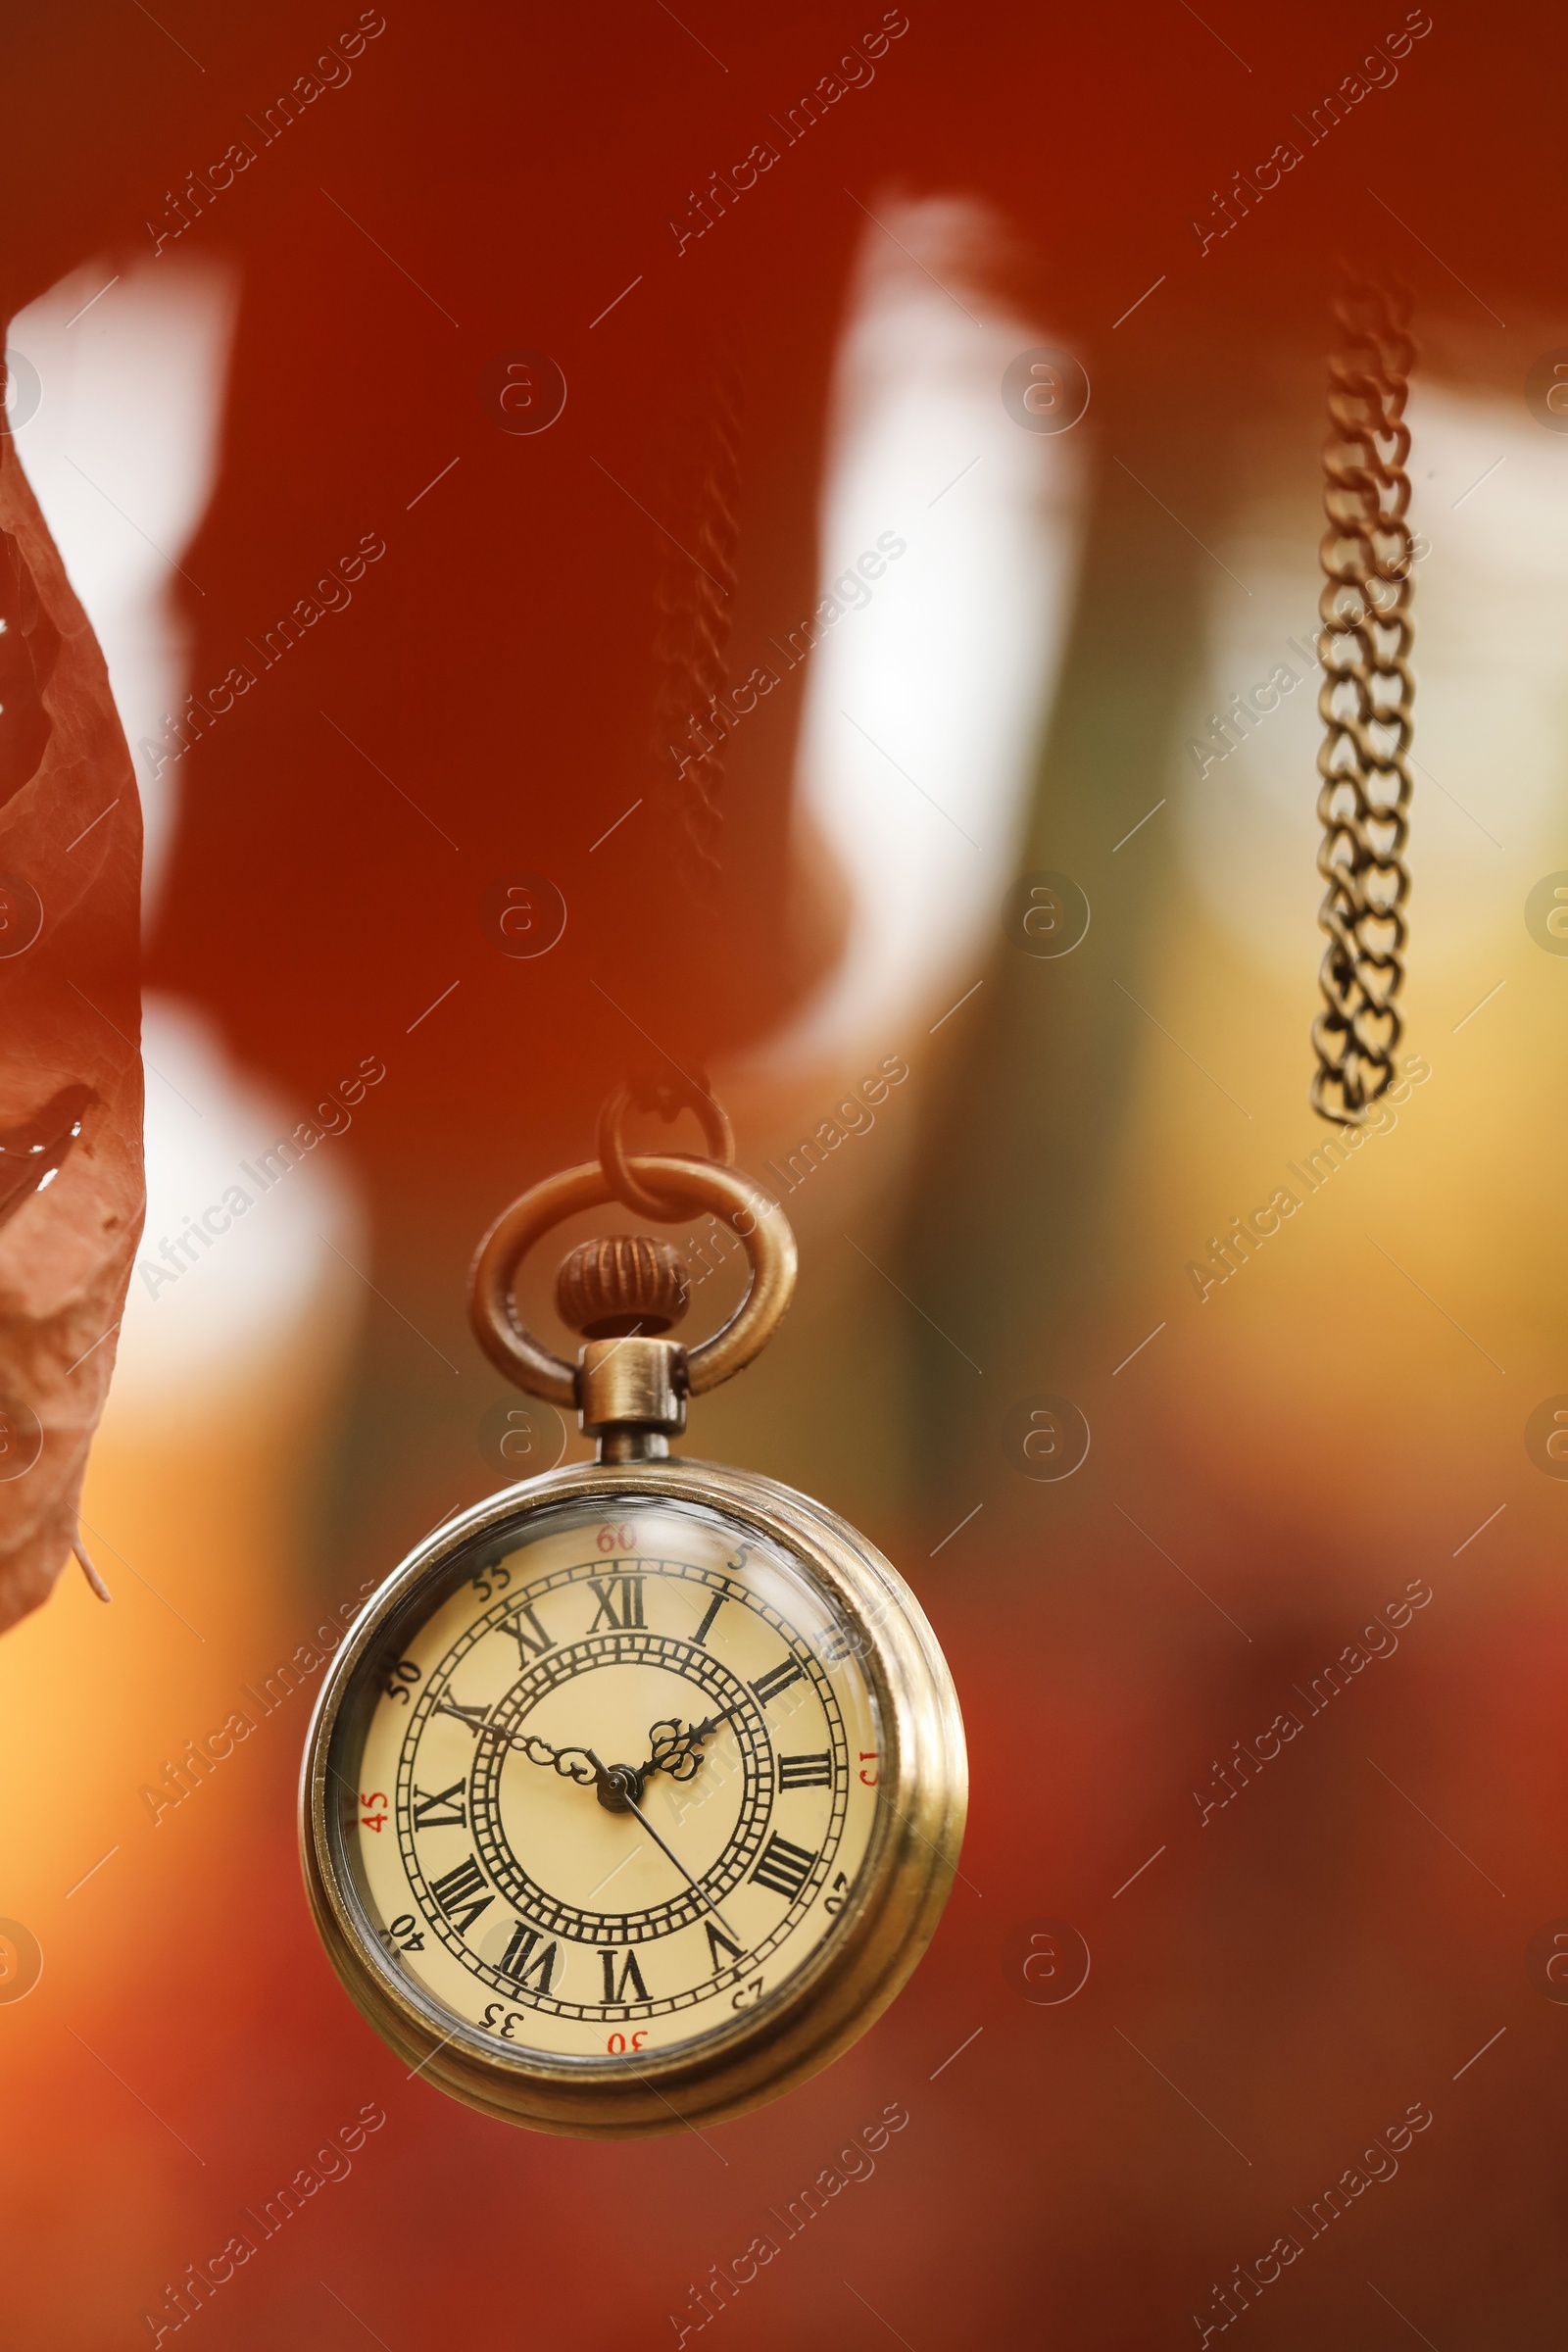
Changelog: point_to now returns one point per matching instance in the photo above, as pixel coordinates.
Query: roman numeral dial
(620, 1767)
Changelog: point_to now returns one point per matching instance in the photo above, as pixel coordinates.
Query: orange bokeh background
(1273, 1984)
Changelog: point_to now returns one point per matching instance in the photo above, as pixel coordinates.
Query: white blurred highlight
(240, 1308)
(923, 707)
(123, 454)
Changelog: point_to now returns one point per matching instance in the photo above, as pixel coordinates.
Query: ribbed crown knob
(626, 1283)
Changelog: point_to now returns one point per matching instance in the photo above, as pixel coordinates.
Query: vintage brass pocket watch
(635, 1793)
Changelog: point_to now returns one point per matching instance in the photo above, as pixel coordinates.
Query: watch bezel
(890, 1914)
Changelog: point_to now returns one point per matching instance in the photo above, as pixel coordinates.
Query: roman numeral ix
(448, 1809)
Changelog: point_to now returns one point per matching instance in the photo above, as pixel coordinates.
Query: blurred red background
(1284, 1979)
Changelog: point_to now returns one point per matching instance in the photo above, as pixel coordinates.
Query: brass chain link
(1365, 703)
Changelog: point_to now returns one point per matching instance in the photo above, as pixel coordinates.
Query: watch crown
(627, 1283)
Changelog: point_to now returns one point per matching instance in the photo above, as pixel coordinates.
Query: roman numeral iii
(454, 1892)
(783, 1867)
(806, 1772)
(621, 1602)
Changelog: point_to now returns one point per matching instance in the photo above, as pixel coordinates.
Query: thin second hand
(700, 1892)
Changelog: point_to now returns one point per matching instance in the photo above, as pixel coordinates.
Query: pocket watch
(634, 1795)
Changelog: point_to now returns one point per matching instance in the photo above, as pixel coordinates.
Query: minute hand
(537, 1750)
(701, 1892)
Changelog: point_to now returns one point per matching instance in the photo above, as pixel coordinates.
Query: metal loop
(694, 1184)
(668, 1098)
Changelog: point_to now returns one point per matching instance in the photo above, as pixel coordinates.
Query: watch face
(606, 1786)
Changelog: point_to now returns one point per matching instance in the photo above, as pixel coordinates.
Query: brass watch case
(890, 1914)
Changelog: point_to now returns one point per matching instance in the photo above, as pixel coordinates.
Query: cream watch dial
(615, 1791)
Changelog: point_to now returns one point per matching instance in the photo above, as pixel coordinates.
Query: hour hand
(678, 1753)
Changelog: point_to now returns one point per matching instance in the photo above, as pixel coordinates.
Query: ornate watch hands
(567, 1761)
(674, 1751)
(619, 1775)
(679, 1752)
(619, 1786)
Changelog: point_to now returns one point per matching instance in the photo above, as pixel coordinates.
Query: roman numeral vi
(630, 1974)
